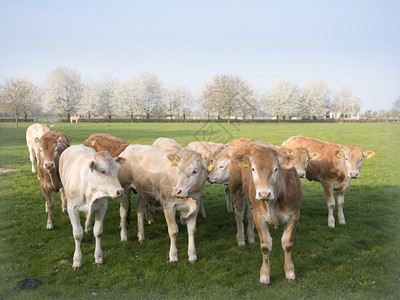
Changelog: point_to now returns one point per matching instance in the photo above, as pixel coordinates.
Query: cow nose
(49, 165)
(176, 192)
(264, 195)
(354, 174)
(119, 193)
(302, 174)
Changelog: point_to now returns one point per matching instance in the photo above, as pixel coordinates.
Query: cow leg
(73, 213)
(148, 216)
(191, 228)
(98, 229)
(340, 202)
(228, 198)
(287, 242)
(89, 212)
(266, 247)
(141, 207)
(48, 194)
(202, 210)
(173, 233)
(123, 213)
(32, 157)
(63, 201)
(250, 222)
(330, 202)
(239, 211)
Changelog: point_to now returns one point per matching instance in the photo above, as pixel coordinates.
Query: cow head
(104, 173)
(353, 158)
(264, 166)
(192, 173)
(219, 170)
(48, 150)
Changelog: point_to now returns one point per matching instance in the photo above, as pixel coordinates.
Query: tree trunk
(109, 117)
(147, 116)
(184, 116)
(26, 117)
(16, 120)
(229, 118)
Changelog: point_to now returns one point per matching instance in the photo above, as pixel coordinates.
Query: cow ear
(92, 165)
(37, 141)
(174, 159)
(287, 161)
(209, 164)
(314, 155)
(242, 160)
(120, 160)
(369, 154)
(339, 154)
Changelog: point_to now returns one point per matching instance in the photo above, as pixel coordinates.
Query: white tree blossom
(108, 96)
(177, 101)
(282, 98)
(346, 101)
(314, 98)
(90, 102)
(62, 89)
(148, 92)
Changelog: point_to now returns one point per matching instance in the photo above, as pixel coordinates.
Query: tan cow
(175, 180)
(50, 146)
(172, 145)
(302, 155)
(334, 169)
(88, 177)
(114, 146)
(35, 131)
(273, 188)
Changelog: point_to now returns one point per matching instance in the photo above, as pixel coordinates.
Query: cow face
(264, 167)
(191, 171)
(219, 170)
(104, 170)
(48, 151)
(354, 157)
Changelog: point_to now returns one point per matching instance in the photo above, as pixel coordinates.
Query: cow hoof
(331, 225)
(150, 222)
(174, 263)
(99, 264)
(192, 262)
(267, 285)
(141, 242)
(342, 222)
(251, 241)
(241, 244)
(76, 268)
(49, 227)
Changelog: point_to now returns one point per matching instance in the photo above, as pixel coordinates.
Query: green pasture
(357, 261)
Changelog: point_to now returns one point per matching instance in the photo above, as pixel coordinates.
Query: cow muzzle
(180, 193)
(302, 174)
(264, 195)
(49, 165)
(119, 193)
(210, 180)
(354, 174)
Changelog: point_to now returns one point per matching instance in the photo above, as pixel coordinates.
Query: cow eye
(276, 169)
(253, 169)
(221, 166)
(194, 172)
(102, 171)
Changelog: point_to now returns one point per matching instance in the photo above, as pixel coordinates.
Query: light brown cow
(50, 146)
(114, 146)
(172, 145)
(273, 188)
(175, 180)
(302, 155)
(35, 131)
(334, 168)
(88, 178)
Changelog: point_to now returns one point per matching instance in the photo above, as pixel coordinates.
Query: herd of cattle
(168, 178)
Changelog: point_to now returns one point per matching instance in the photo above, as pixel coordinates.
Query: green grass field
(356, 261)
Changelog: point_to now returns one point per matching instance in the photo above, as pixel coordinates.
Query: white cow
(35, 131)
(88, 177)
(175, 180)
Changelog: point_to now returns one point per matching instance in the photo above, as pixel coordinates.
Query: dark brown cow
(50, 146)
(272, 185)
(334, 168)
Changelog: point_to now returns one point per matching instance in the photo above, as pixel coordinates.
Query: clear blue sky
(188, 42)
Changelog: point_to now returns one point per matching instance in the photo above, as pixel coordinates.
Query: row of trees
(64, 93)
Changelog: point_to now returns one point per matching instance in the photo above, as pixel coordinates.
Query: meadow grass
(356, 261)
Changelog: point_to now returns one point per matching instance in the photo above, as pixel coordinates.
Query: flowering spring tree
(346, 101)
(314, 100)
(282, 98)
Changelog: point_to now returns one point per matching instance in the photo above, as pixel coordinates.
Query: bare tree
(16, 95)
(346, 101)
(314, 100)
(177, 101)
(62, 89)
(282, 98)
